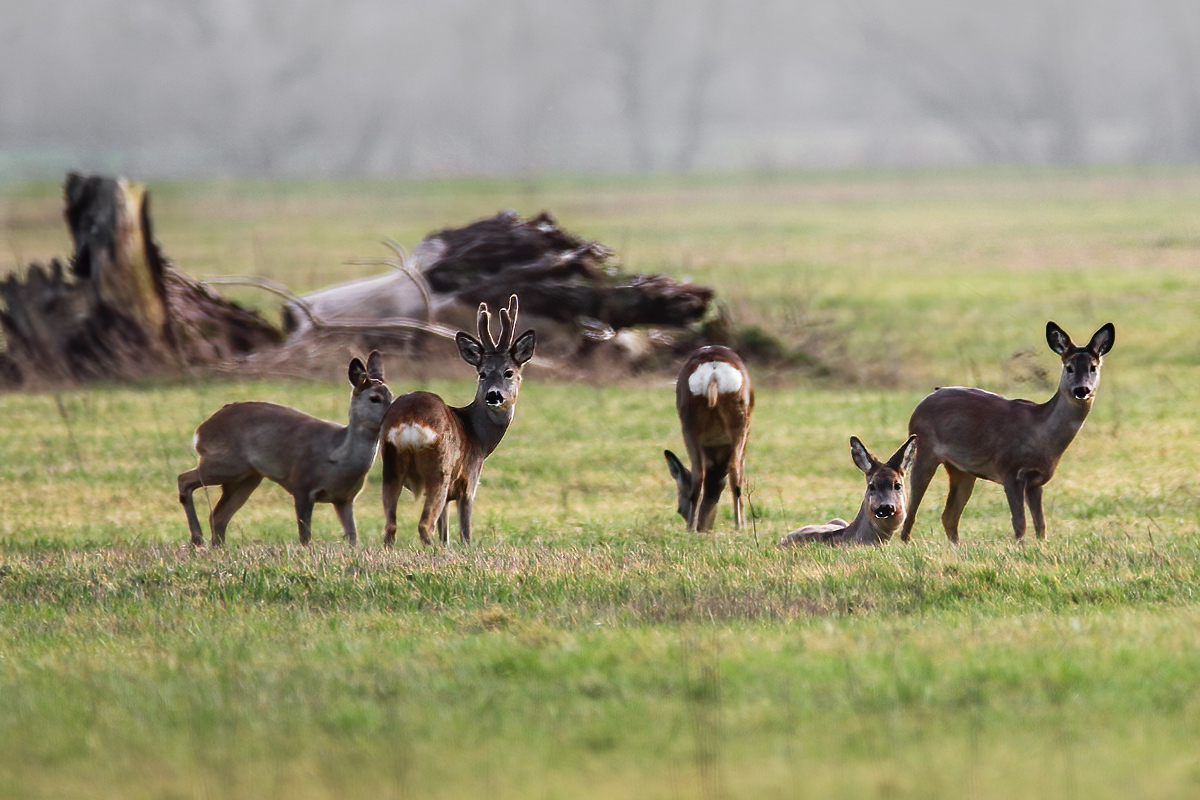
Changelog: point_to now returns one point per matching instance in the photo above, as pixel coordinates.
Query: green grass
(585, 646)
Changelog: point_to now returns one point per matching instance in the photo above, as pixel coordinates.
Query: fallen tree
(118, 309)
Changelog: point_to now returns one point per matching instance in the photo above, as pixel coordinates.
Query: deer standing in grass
(314, 460)
(884, 507)
(714, 399)
(1015, 443)
(438, 450)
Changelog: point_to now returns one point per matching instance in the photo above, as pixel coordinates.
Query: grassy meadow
(584, 645)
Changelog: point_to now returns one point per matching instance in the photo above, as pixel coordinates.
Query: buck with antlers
(314, 460)
(437, 450)
(1015, 443)
(714, 399)
(884, 506)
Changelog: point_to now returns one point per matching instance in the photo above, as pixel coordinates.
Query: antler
(508, 323)
(484, 320)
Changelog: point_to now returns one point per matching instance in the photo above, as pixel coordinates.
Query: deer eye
(1092, 369)
(1070, 370)
(481, 376)
(508, 373)
(896, 486)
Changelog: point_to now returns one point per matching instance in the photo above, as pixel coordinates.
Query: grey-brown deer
(714, 399)
(1015, 443)
(884, 507)
(437, 450)
(316, 461)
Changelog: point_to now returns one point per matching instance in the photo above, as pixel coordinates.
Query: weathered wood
(119, 310)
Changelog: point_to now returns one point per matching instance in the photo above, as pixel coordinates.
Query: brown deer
(714, 399)
(1015, 443)
(884, 507)
(315, 460)
(437, 450)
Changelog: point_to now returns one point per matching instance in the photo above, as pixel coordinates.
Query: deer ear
(902, 460)
(1102, 340)
(522, 349)
(357, 373)
(469, 348)
(862, 457)
(375, 366)
(679, 472)
(1058, 339)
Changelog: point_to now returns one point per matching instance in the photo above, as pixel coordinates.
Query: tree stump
(120, 309)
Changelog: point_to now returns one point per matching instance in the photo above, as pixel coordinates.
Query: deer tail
(712, 391)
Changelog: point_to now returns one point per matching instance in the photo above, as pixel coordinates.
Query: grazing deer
(315, 460)
(1015, 443)
(883, 509)
(436, 450)
(714, 399)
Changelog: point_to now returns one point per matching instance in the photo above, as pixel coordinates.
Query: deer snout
(494, 398)
(1083, 392)
(885, 512)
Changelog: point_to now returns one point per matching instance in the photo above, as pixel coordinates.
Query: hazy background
(380, 87)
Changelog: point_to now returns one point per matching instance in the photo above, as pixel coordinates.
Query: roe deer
(714, 399)
(436, 450)
(1015, 443)
(884, 507)
(315, 460)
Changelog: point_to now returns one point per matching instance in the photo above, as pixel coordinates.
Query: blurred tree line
(397, 87)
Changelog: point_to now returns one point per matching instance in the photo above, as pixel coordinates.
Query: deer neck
(355, 443)
(1061, 418)
(484, 424)
(863, 530)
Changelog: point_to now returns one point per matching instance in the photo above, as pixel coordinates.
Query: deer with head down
(437, 450)
(884, 507)
(1015, 443)
(314, 460)
(714, 399)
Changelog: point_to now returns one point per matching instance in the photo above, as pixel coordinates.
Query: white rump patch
(729, 378)
(412, 436)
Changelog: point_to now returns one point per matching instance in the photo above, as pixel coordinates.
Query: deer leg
(189, 482)
(234, 495)
(715, 479)
(464, 517)
(391, 493)
(345, 512)
(443, 524)
(304, 510)
(737, 473)
(961, 486)
(435, 506)
(1014, 490)
(699, 470)
(918, 481)
(1033, 495)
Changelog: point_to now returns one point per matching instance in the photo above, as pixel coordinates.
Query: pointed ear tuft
(522, 349)
(1058, 339)
(861, 455)
(469, 348)
(1103, 340)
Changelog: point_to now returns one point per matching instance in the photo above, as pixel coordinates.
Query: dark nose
(1082, 392)
(883, 512)
(494, 398)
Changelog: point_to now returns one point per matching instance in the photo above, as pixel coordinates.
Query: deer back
(713, 396)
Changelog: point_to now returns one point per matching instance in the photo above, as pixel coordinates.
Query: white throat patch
(729, 378)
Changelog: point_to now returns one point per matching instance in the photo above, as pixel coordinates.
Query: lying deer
(1015, 443)
(714, 399)
(436, 450)
(315, 460)
(883, 508)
